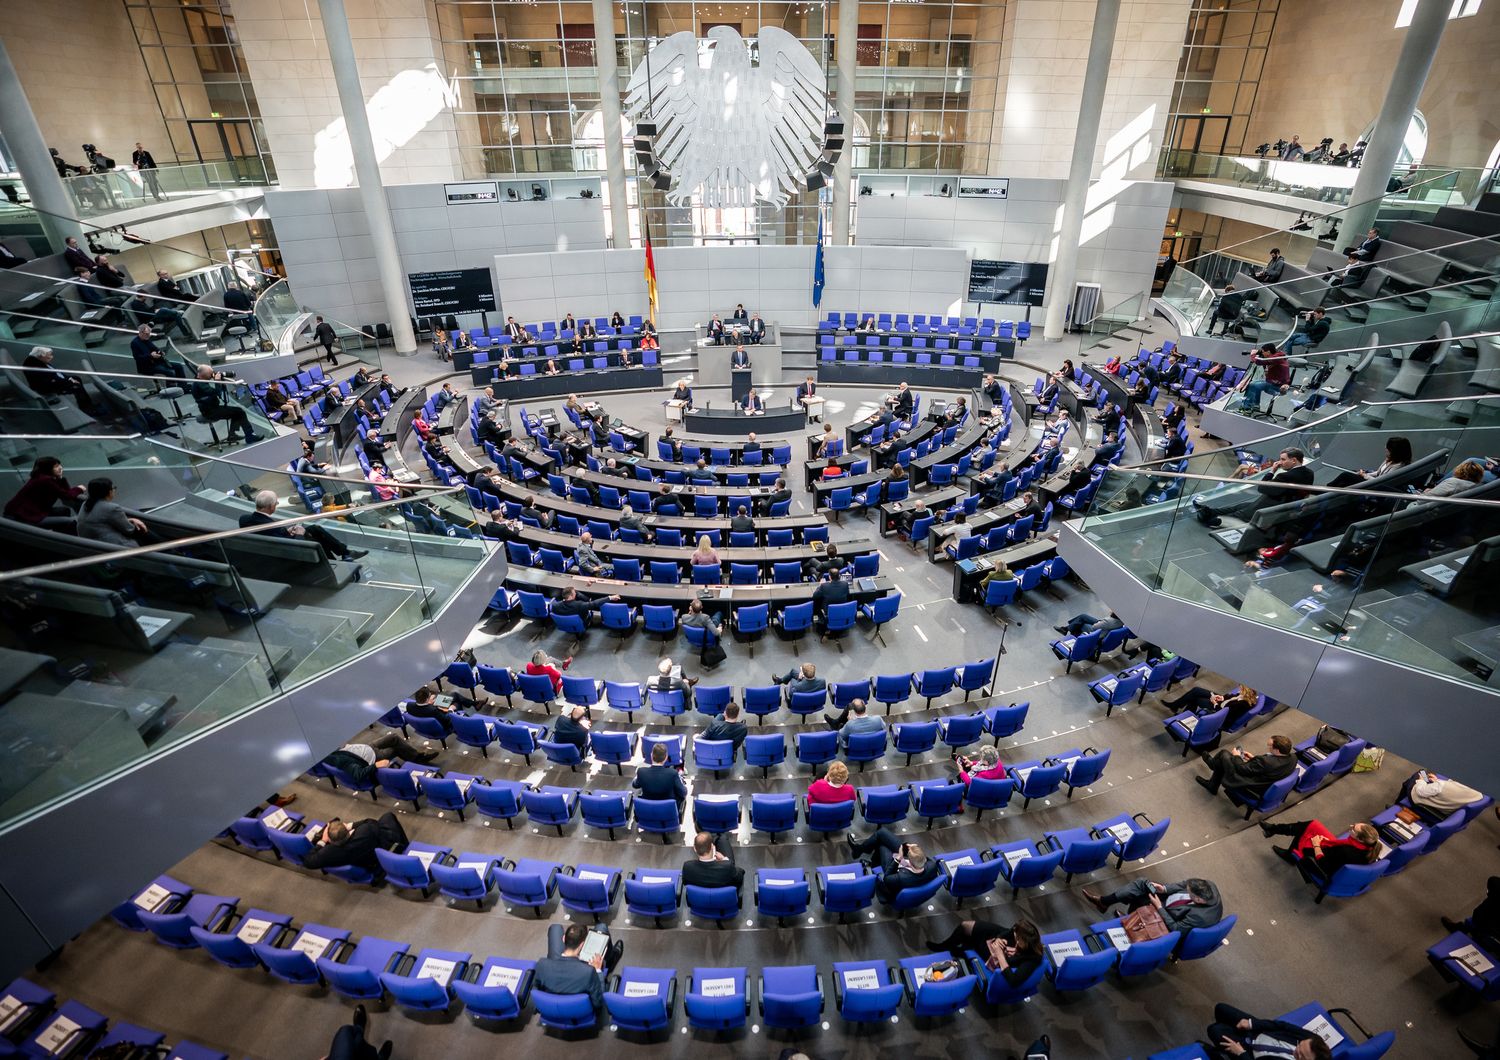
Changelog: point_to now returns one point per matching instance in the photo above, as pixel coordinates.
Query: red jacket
(820, 791)
(551, 671)
(34, 501)
(995, 772)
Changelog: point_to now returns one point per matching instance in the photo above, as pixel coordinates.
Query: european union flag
(818, 265)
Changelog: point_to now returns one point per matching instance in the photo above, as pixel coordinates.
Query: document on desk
(1475, 962)
(654, 879)
(276, 819)
(11, 1010)
(775, 881)
(1062, 950)
(424, 856)
(479, 867)
(717, 988)
(1320, 1026)
(862, 979)
(590, 874)
(1441, 573)
(841, 876)
(510, 978)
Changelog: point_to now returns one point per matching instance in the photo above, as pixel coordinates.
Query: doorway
(229, 140)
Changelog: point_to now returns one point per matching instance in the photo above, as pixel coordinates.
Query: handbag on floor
(1369, 760)
(1144, 924)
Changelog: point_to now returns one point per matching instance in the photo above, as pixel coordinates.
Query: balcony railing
(94, 194)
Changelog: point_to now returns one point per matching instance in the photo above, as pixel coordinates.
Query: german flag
(650, 274)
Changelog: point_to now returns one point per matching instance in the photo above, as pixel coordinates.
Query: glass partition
(1375, 554)
(1422, 188)
(114, 653)
(94, 194)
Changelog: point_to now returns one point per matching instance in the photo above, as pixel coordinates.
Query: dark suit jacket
(903, 403)
(712, 874)
(78, 259)
(741, 359)
(720, 729)
(262, 519)
(757, 327)
(569, 731)
(1258, 773)
(429, 710)
(806, 390)
(894, 883)
(830, 593)
(659, 782)
(365, 837)
(569, 975)
(755, 403)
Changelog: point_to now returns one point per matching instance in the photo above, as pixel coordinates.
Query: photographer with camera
(209, 395)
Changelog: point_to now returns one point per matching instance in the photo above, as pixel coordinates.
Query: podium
(739, 384)
(674, 410)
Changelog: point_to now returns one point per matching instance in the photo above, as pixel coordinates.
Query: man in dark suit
(1110, 448)
(45, 379)
(901, 401)
(833, 590)
(342, 844)
(739, 359)
(264, 515)
(167, 287)
(573, 728)
(776, 496)
(1234, 1032)
(993, 389)
(682, 392)
(716, 330)
(149, 359)
(1230, 304)
(1271, 271)
(659, 780)
(807, 397)
(573, 604)
(563, 972)
(803, 678)
(713, 864)
(1353, 274)
(1248, 774)
(375, 447)
(208, 392)
(727, 726)
(76, 256)
(757, 330)
(422, 705)
(740, 522)
(1366, 248)
(902, 865)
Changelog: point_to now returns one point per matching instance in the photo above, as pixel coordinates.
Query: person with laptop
(578, 957)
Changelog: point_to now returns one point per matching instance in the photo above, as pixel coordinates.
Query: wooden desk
(968, 573)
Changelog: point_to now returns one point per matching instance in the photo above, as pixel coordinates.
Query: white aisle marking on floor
(918, 631)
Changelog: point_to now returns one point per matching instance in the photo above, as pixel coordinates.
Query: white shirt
(362, 751)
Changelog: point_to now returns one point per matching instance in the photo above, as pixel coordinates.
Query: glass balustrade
(1120, 315)
(112, 654)
(1374, 567)
(94, 194)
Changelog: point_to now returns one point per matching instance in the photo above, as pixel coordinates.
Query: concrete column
(847, 51)
(367, 172)
(1064, 270)
(55, 209)
(607, 63)
(1407, 78)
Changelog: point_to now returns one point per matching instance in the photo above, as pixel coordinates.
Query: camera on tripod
(100, 162)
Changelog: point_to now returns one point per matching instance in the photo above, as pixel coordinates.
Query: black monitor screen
(1008, 282)
(452, 291)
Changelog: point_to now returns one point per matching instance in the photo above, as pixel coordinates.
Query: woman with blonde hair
(833, 786)
(1318, 853)
(705, 554)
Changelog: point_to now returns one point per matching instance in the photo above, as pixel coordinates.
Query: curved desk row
(927, 376)
(731, 422)
(591, 381)
(686, 491)
(682, 555)
(721, 599)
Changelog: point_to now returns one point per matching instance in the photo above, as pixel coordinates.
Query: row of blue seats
(760, 701)
(643, 999)
(723, 456)
(669, 572)
(851, 355)
(595, 362)
(934, 323)
(633, 326)
(37, 1026)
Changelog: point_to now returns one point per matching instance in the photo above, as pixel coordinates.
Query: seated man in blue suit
(1235, 1032)
(562, 971)
(902, 865)
(753, 403)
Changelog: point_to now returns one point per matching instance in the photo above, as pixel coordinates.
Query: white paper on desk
(56, 1034)
(437, 968)
(1121, 832)
(509, 978)
(312, 945)
(1118, 939)
(10, 1011)
(1320, 1026)
(589, 874)
(952, 864)
(479, 867)
(717, 988)
(1015, 857)
(641, 989)
(862, 979)
(654, 879)
(718, 798)
(1061, 950)
(152, 897)
(424, 856)
(1440, 573)
(841, 876)
(277, 819)
(252, 931)
(1472, 959)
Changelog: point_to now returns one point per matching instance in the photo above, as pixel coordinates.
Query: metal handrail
(198, 539)
(1343, 491)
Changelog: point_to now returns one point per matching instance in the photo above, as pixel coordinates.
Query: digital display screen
(452, 291)
(473, 191)
(1007, 282)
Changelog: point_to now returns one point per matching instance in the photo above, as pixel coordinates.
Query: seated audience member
(682, 392)
(999, 572)
(1235, 1032)
(1397, 456)
(1018, 955)
(629, 520)
(665, 502)
(854, 720)
(712, 863)
(562, 971)
(1200, 701)
(354, 845)
(589, 563)
(49, 382)
(103, 520)
(424, 705)
(954, 532)
(901, 402)
(1228, 311)
(669, 678)
(424, 429)
(1353, 274)
(833, 786)
(701, 475)
(803, 678)
(278, 400)
(551, 368)
(360, 760)
(572, 727)
(1468, 474)
(441, 345)
(702, 619)
(825, 441)
(542, 663)
(375, 448)
(264, 515)
(461, 342)
(1085, 623)
(993, 389)
(1366, 248)
(106, 274)
(908, 517)
(571, 603)
(832, 590)
(727, 726)
(659, 780)
(1312, 329)
(1439, 796)
(46, 499)
(740, 522)
(898, 474)
(902, 865)
(716, 330)
(752, 404)
(1249, 774)
(149, 358)
(485, 403)
(757, 329)
(1484, 921)
(1187, 904)
(650, 342)
(1314, 847)
(777, 495)
(832, 469)
(986, 766)
(830, 562)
